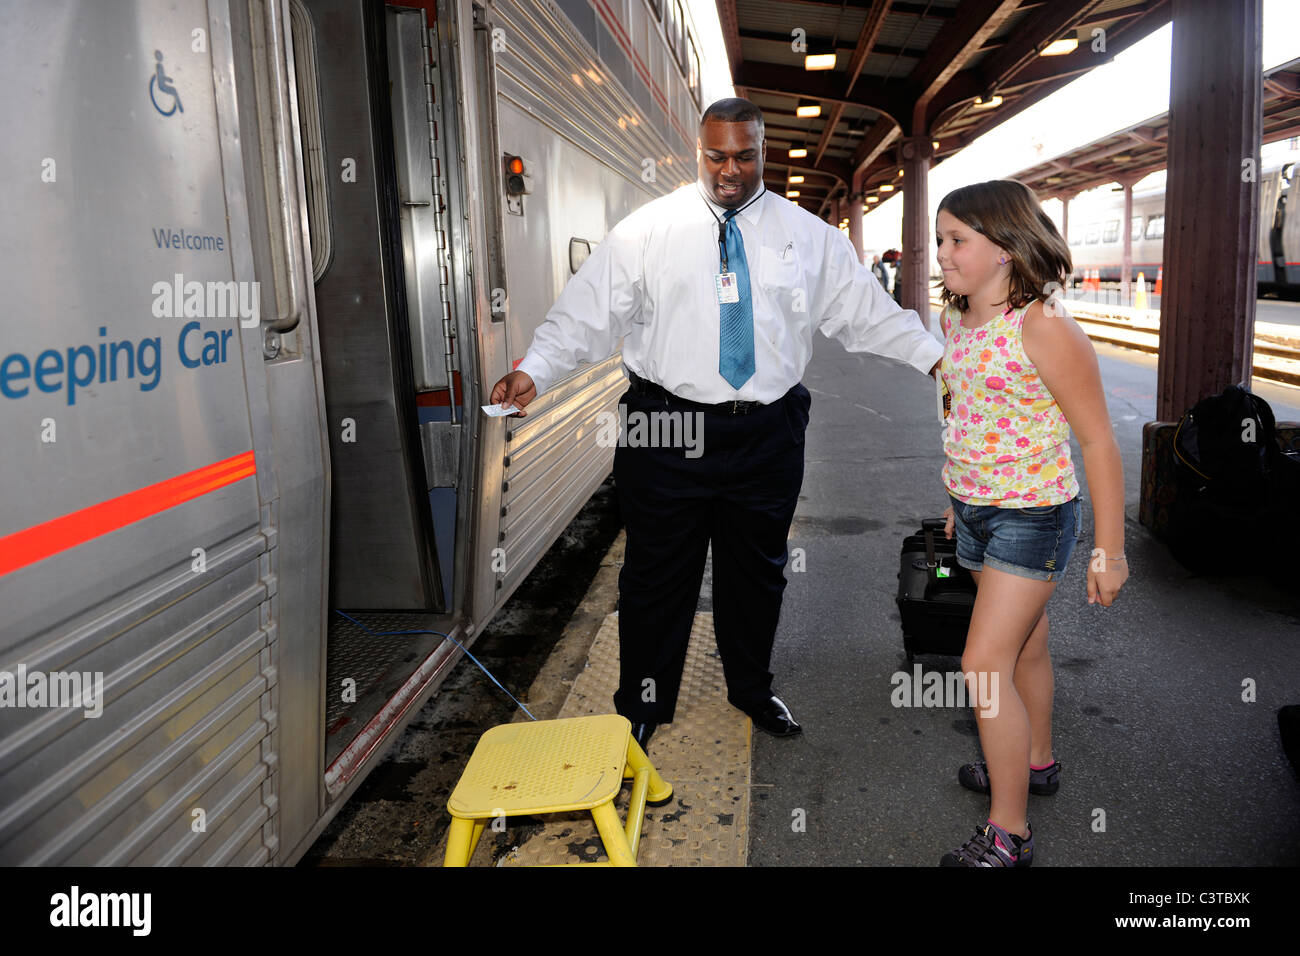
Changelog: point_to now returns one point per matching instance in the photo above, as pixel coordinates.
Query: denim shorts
(1031, 542)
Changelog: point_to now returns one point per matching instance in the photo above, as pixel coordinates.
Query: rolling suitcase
(935, 593)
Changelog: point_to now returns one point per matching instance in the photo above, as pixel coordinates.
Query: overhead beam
(862, 48)
(841, 46)
(827, 86)
(957, 42)
(1032, 36)
(730, 23)
(925, 10)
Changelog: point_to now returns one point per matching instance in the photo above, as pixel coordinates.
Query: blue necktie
(736, 319)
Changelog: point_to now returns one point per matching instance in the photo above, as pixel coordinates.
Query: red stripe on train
(40, 541)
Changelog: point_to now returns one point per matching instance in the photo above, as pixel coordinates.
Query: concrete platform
(1149, 720)
(1164, 761)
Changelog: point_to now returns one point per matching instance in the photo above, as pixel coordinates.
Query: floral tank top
(1006, 439)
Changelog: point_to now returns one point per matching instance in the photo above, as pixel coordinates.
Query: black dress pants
(740, 494)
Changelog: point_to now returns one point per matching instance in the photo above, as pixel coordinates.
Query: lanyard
(722, 229)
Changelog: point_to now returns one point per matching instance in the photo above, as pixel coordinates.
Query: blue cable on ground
(448, 637)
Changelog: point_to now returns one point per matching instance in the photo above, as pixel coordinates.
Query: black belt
(641, 387)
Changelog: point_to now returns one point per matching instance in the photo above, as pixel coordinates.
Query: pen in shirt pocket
(788, 247)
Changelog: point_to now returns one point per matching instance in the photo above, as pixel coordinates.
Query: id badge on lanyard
(725, 285)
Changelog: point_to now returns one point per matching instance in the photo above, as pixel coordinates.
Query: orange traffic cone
(1160, 278)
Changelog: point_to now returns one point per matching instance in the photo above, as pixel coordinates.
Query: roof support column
(915, 277)
(854, 212)
(1207, 319)
(1126, 263)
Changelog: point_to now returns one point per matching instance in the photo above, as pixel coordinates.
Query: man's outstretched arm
(854, 309)
(596, 308)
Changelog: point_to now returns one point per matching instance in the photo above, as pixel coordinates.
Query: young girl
(1021, 373)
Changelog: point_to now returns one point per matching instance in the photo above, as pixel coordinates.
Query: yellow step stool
(555, 766)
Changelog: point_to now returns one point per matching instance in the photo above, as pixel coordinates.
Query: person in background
(878, 270)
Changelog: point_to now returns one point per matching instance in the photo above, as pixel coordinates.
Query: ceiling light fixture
(1060, 47)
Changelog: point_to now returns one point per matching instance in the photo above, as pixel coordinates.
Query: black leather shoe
(775, 718)
(642, 733)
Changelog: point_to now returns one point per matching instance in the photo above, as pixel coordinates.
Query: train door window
(310, 127)
(1156, 227)
(1112, 231)
(1094, 234)
(1135, 229)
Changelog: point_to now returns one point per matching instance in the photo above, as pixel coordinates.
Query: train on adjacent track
(264, 260)
(1097, 244)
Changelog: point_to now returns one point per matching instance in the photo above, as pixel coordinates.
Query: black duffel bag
(1235, 507)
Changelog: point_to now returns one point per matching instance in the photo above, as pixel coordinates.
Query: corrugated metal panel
(537, 71)
(554, 463)
(816, 21)
(909, 31)
(194, 673)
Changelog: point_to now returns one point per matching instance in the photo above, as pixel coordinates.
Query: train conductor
(715, 290)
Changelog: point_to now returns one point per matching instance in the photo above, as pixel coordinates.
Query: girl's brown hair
(1008, 214)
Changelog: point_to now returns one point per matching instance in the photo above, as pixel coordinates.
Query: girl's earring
(1002, 261)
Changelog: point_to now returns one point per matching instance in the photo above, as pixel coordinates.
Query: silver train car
(264, 259)
(1096, 242)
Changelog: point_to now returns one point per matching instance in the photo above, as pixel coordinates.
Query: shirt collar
(751, 211)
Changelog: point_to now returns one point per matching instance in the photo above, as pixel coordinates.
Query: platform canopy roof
(1129, 154)
(919, 68)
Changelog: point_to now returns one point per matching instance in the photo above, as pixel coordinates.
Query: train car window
(654, 6)
(1156, 227)
(679, 40)
(695, 79)
(1135, 230)
(1094, 234)
(579, 250)
(1112, 231)
(670, 24)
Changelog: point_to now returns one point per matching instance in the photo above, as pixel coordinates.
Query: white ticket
(496, 411)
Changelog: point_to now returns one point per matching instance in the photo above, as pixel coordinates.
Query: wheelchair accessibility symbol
(161, 84)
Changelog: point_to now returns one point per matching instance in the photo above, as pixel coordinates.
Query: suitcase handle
(929, 527)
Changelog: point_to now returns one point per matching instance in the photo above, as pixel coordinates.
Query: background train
(264, 258)
(1096, 242)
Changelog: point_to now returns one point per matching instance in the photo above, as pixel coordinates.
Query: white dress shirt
(651, 283)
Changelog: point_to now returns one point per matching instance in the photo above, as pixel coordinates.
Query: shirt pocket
(781, 278)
